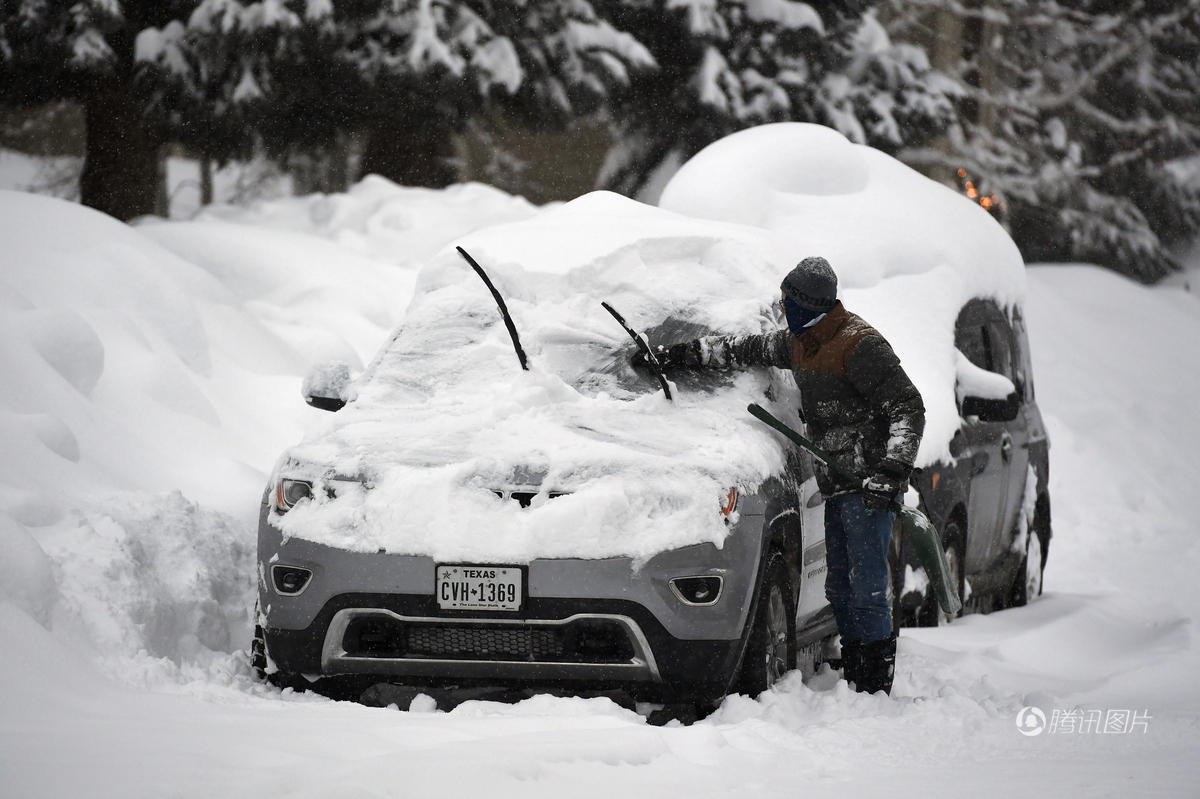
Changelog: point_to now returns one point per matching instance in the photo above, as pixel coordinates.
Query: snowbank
(130, 374)
(377, 218)
(152, 376)
(908, 252)
(125, 366)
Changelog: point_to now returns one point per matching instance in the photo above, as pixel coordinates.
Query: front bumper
(657, 640)
(658, 664)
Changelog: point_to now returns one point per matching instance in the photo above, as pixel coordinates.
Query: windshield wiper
(508, 322)
(644, 346)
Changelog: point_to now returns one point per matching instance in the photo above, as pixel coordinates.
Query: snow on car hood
(444, 416)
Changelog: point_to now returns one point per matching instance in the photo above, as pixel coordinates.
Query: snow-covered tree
(1072, 111)
(84, 50)
(211, 75)
(408, 74)
(731, 64)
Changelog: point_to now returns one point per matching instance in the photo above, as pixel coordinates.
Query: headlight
(289, 492)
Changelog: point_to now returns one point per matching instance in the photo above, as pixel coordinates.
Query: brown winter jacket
(855, 398)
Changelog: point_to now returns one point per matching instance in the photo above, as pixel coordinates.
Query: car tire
(258, 661)
(930, 613)
(1027, 585)
(258, 653)
(771, 648)
(258, 648)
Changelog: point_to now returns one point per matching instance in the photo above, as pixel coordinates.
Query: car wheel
(1027, 585)
(258, 661)
(771, 649)
(258, 648)
(258, 653)
(930, 613)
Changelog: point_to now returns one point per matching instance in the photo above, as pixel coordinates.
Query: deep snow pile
(151, 378)
(908, 252)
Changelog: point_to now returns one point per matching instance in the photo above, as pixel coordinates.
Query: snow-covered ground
(151, 375)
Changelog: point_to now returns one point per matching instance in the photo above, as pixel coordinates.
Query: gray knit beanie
(812, 284)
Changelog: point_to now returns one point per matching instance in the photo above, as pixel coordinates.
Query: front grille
(578, 641)
(485, 643)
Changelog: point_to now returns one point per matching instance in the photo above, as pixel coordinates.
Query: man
(860, 407)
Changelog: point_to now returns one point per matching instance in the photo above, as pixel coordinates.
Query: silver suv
(688, 625)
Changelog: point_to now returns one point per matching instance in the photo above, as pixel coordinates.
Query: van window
(999, 336)
(971, 337)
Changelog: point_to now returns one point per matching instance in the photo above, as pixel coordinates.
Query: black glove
(880, 489)
(685, 355)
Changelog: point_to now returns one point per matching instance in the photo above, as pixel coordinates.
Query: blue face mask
(798, 318)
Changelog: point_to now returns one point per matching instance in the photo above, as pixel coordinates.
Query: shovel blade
(928, 542)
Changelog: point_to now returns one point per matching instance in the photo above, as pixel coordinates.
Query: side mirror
(992, 410)
(991, 397)
(327, 386)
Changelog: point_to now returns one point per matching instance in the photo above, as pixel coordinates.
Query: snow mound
(909, 252)
(156, 575)
(26, 571)
(381, 220)
(125, 367)
(152, 376)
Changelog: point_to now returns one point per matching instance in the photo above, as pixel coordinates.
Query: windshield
(594, 360)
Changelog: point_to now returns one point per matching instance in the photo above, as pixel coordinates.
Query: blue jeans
(856, 545)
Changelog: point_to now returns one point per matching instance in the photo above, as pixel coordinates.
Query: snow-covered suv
(462, 520)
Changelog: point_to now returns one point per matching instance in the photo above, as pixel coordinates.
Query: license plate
(478, 588)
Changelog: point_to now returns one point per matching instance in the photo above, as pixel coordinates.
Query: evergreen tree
(731, 64)
(408, 74)
(210, 80)
(1071, 113)
(84, 50)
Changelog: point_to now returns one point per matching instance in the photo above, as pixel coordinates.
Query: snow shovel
(914, 524)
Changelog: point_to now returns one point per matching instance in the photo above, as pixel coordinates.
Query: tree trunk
(206, 180)
(410, 154)
(122, 173)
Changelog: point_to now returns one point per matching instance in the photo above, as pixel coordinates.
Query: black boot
(851, 661)
(878, 666)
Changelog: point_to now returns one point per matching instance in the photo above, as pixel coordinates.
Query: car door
(1014, 439)
(985, 445)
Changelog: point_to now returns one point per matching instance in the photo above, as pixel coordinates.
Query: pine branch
(1112, 58)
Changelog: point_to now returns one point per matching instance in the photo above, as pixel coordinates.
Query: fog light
(290, 580)
(697, 590)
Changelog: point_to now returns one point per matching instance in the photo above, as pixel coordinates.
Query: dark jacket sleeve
(740, 352)
(875, 371)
